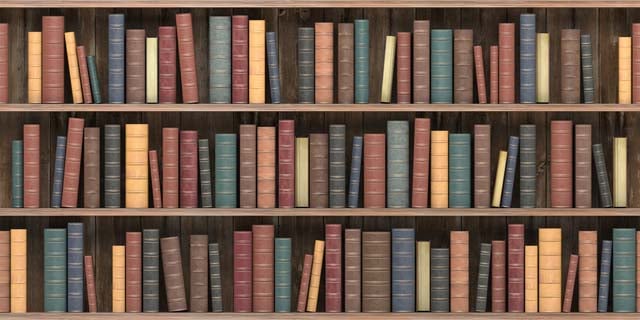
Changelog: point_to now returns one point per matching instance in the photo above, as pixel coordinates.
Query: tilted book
(84, 74)
(73, 155)
(316, 271)
(74, 70)
(58, 172)
(303, 288)
(481, 83)
(387, 71)
(154, 169)
(510, 172)
(499, 182)
(173, 276)
(187, 58)
(94, 80)
(604, 189)
(570, 284)
(483, 277)
(354, 175)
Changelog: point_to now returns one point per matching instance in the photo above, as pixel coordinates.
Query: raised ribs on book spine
(583, 166)
(510, 172)
(31, 182)
(116, 58)
(4, 62)
(356, 168)
(494, 90)
(188, 169)
(5, 271)
(542, 67)
(302, 173)
(306, 69)
(603, 177)
(624, 70)
(605, 275)
(345, 63)
(240, 59)
(635, 62)
(135, 71)
(266, 167)
(421, 144)
(516, 267)
(440, 280)
(374, 170)
(215, 279)
(398, 164)
(282, 278)
(324, 62)
(588, 271)
(75, 278)
(92, 301)
(226, 171)
(481, 85)
(586, 55)
(483, 277)
(570, 66)
(352, 270)
(18, 262)
(74, 71)
(387, 71)
(187, 57)
(376, 272)
(73, 156)
(170, 167)
(463, 66)
(91, 167)
(17, 176)
(199, 269)
(53, 59)
(528, 168)
(248, 166)
(173, 278)
(550, 270)
(441, 66)
(423, 276)
(498, 276)
(337, 165)
(316, 272)
(482, 165)
(527, 58)
(421, 60)
(118, 282)
(286, 161)
(459, 170)
(257, 61)
(570, 285)
(206, 196)
(167, 71)
(333, 268)
(459, 271)
(34, 65)
(262, 270)
(318, 170)
(305, 278)
(112, 166)
(361, 65)
(530, 278)
(55, 270)
(155, 179)
(619, 172)
(84, 74)
(403, 75)
(220, 59)
(273, 67)
(439, 169)
(58, 172)
(133, 276)
(403, 270)
(137, 165)
(242, 267)
(93, 78)
(623, 273)
(150, 270)
(151, 79)
(506, 63)
(561, 164)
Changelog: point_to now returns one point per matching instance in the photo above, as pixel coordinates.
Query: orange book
(74, 70)
(439, 169)
(257, 61)
(137, 166)
(18, 270)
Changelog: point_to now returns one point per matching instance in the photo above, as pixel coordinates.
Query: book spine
(420, 178)
(441, 66)
(306, 75)
(605, 275)
(337, 165)
(403, 76)
(624, 70)
(135, 66)
(152, 70)
(374, 170)
(423, 276)
(118, 279)
(286, 163)
(323, 62)
(499, 183)
(91, 169)
(481, 84)
(635, 67)
(439, 169)
(516, 256)
(333, 268)
(34, 64)
(55, 270)
(550, 269)
(494, 90)
(586, 55)
(637, 270)
(199, 272)
(116, 58)
(170, 167)
(542, 68)
(75, 269)
(53, 59)
(266, 167)
(531, 279)
(112, 166)
(561, 164)
(498, 276)
(257, 68)
(242, 271)
(459, 170)
(263, 269)
(84, 74)
(356, 168)
(403, 270)
(481, 165)
(439, 280)
(316, 272)
(387, 71)
(570, 66)
(155, 179)
(58, 172)
(619, 172)
(31, 165)
(74, 71)
(133, 272)
(226, 170)
(248, 166)
(361, 58)
(17, 174)
(510, 172)
(167, 72)
(5, 271)
(301, 192)
(187, 58)
(483, 277)
(73, 156)
(583, 166)
(459, 271)
(92, 301)
(173, 276)
(282, 278)
(398, 164)
(527, 58)
(352, 270)
(318, 170)
(189, 169)
(220, 59)
(150, 270)
(528, 167)
(602, 175)
(18, 261)
(624, 273)
(273, 67)
(94, 80)
(588, 271)
(463, 66)
(376, 272)
(137, 165)
(570, 285)
(240, 59)
(204, 166)
(506, 63)
(421, 60)
(345, 63)
(305, 278)
(215, 278)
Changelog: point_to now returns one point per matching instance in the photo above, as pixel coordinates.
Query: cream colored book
(18, 270)
(118, 279)
(497, 186)
(316, 272)
(34, 67)
(387, 71)
(549, 269)
(620, 172)
(257, 81)
(302, 173)
(531, 279)
(423, 276)
(624, 70)
(542, 68)
(74, 71)
(152, 70)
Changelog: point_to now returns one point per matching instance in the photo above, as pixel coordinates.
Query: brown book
(199, 268)
(507, 63)
(571, 281)
(286, 161)
(583, 166)
(89, 276)
(570, 66)
(173, 278)
(515, 260)
(167, 64)
(170, 167)
(324, 62)
(319, 170)
(263, 276)
(53, 59)
(303, 290)
(498, 276)
(4, 63)
(376, 271)
(482, 165)
(352, 270)
(31, 174)
(421, 146)
(135, 69)
(91, 167)
(459, 271)
(242, 267)
(155, 179)
(561, 164)
(421, 61)
(188, 169)
(635, 63)
(481, 85)
(403, 77)
(493, 75)
(374, 170)
(248, 166)
(5, 271)
(133, 272)
(72, 159)
(266, 186)
(84, 74)
(345, 63)
(187, 58)
(588, 271)
(463, 66)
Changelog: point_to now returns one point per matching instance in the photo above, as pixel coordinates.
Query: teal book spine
(460, 170)
(361, 60)
(283, 275)
(55, 270)
(75, 267)
(215, 280)
(441, 66)
(624, 270)
(226, 170)
(398, 164)
(93, 79)
(17, 171)
(220, 59)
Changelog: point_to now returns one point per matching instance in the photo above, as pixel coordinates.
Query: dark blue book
(220, 59)
(361, 60)
(528, 166)
(58, 172)
(283, 275)
(510, 172)
(398, 164)
(586, 57)
(17, 174)
(75, 267)
(403, 270)
(624, 270)
(273, 66)
(150, 270)
(441, 66)
(94, 80)
(226, 170)
(354, 176)
(55, 270)
(306, 65)
(605, 275)
(116, 58)
(527, 58)
(459, 170)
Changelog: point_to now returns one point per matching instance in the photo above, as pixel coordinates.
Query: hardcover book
(561, 164)
(459, 243)
(439, 280)
(226, 170)
(84, 74)
(420, 178)
(318, 170)
(516, 265)
(510, 172)
(302, 173)
(316, 271)
(483, 277)
(494, 90)
(135, 66)
(459, 170)
(133, 272)
(91, 163)
(528, 166)
(570, 66)
(423, 276)
(282, 278)
(204, 165)
(240, 59)
(481, 84)
(74, 70)
(527, 58)
(550, 269)
(167, 52)
(403, 270)
(156, 191)
(118, 283)
(531, 279)
(439, 168)
(150, 270)
(187, 58)
(116, 77)
(173, 276)
(152, 70)
(337, 165)
(306, 68)
(623, 272)
(356, 168)
(220, 59)
(387, 71)
(361, 58)
(635, 63)
(619, 172)
(262, 269)
(266, 167)
(199, 272)
(55, 270)
(421, 60)
(305, 278)
(583, 166)
(34, 65)
(604, 190)
(257, 63)
(499, 182)
(624, 70)
(506, 63)
(137, 166)
(481, 165)
(463, 66)
(345, 63)
(403, 60)
(170, 167)
(18, 261)
(215, 279)
(273, 67)
(352, 270)
(570, 285)
(333, 268)
(112, 184)
(286, 163)
(323, 62)
(605, 275)
(75, 269)
(73, 155)
(397, 164)
(248, 169)
(441, 66)
(31, 165)
(5, 271)
(376, 272)
(17, 174)
(89, 274)
(542, 68)
(242, 271)
(58, 172)
(499, 276)
(374, 170)
(586, 57)
(53, 59)
(588, 271)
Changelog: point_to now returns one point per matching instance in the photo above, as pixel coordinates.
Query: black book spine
(337, 169)
(603, 177)
(215, 281)
(306, 65)
(440, 280)
(527, 166)
(150, 270)
(112, 166)
(356, 167)
(510, 172)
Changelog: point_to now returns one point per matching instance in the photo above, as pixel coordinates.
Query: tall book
(150, 270)
(273, 67)
(441, 66)
(187, 58)
(439, 280)
(376, 272)
(494, 78)
(345, 63)
(459, 170)
(352, 270)
(73, 155)
(481, 83)
(439, 169)
(135, 66)
(527, 58)
(306, 68)
(516, 256)
(34, 66)
(89, 274)
(499, 182)
(420, 178)
(170, 167)
(403, 270)
(510, 172)
(133, 272)
(483, 277)
(620, 172)
(624, 270)
(542, 67)
(316, 271)
(318, 170)
(550, 269)
(282, 278)
(361, 58)
(31, 165)
(75, 268)
(167, 52)
(531, 279)
(215, 279)
(173, 276)
(605, 275)
(136, 166)
(266, 167)
(199, 272)
(506, 63)
(220, 59)
(301, 193)
(240, 59)
(154, 171)
(204, 165)
(570, 284)
(112, 166)
(624, 70)
(374, 170)
(588, 271)
(423, 276)
(387, 69)
(5, 271)
(262, 269)
(74, 70)
(459, 246)
(226, 170)
(397, 164)
(286, 163)
(528, 166)
(635, 67)
(561, 164)
(637, 270)
(58, 172)
(323, 62)
(586, 59)
(242, 271)
(337, 165)
(570, 66)
(583, 166)
(18, 262)
(55, 270)
(604, 190)
(403, 75)
(421, 60)
(17, 174)
(53, 59)
(248, 167)
(91, 173)
(116, 75)
(83, 67)
(463, 66)
(354, 175)
(303, 288)
(257, 62)
(499, 276)
(333, 268)
(94, 80)
(118, 283)
(152, 70)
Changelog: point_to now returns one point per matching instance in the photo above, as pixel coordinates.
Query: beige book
(620, 172)
(34, 67)
(423, 276)
(18, 270)
(152, 70)
(497, 186)
(624, 70)
(531, 279)
(550, 269)
(387, 71)
(542, 68)
(316, 272)
(137, 166)
(302, 173)
(257, 40)
(439, 169)
(74, 71)
(118, 279)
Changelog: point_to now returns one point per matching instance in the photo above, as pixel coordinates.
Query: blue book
(55, 270)
(226, 170)
(605, 272)
(527, 58)
(283, 275)
(398, 164)
(441, 66)
(361, 60)
(58, 172)
(624, 270)
(510, 172)
(356, 167)
(273, 66)
(459, 170)
(220, 59)
(150, 270)
(116, 58)
(75, 267)
(17, 172)
(403, 270)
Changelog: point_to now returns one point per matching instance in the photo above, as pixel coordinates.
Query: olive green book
(302, 173)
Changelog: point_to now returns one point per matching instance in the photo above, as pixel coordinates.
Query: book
(199, 272)
(605, 275)
(345, 63)
(510, 172)
(403, 75)
(481, 85)
(527, 58)
(583, 166)
(94, 80)
(420, 178)
(637, 270)
(374, 170)
(5, 271)
(154, 171)
(387, 71)
(494, 90)
(301, 193)
(17, 174)
(242, 271)
(189, 169)
(170, 167)
(588, 271)
(282, 278)
(133, 272)
(305, 278)
(499, 182)
(439, 279)
(18, 262)
(318, 170)
(441, 66)
(58, 172)
(215, 279)
(516, 267)
(31, 165)
(167, 72)
(73, 156)
(439, 168)
(603, 177)
(421, 60)
(136, 166)
(586, 59)
(635, 66)
(74, 70)
(112, 184)
(306, 68)
(118, 283)
(561, 164)
(481, 165)
(75, 268)
(459, 250)
(352, 270)
(463, 66)
(240, 59)
(55, 270)
(356, 168)
(257, 78)
(91, 173)
(570, 285)
(361, 58)
(248, 166)
(220, 59)
(423, 276)
(92, 301)
(624, 272)
(323, 62)
(459, 170)
(376, 272)
(337, 165)
(528, 166)
(262, 269)
(226, 170)
(135, 71)
(483, 277)
(550, 269)
(53, 59)
(173, 276)
(187, 58)
(286, 163)
(531, 279)
(266, 167)
(150, 270)
(542, 67)
(620, 172)
(499, 276)
(152, 70)
(316, 272)
(403, 270)
(333, 268)
(204, 166)
(116, 68)
(84, 74)
(397, 164)
(506, 63)
(624, 70)
(273, 67)
(34, 65)
(570, 66)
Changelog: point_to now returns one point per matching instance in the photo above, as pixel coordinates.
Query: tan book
(439, 169)
(302, 173)
(423, 276)
(137, 166)
(550, 269)
(624, 70)
(34, 67)
(257, 40)
(387, 71)
(459, 274)
(542, 68)
(620, 172)
(531, 279)
(74, 70)
(497, 186)
(588, 271)
(152, 70)
(18, 270)
(316, 271)
(118, 279)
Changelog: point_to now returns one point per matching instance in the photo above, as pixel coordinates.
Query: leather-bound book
(34, 65)
(403, 76)
(118, 283)
(150, 270)
(387, 71)
(439, 169)
(499, 276)
(220, 59)
(286, 161)
(75, 272)
(266, 167)
(570, 66)
(135, 70)
(494, 81)
(170, 167)
(403, 270)
(420, 178)
(637, 270)
(550, 269)
(441, 66)
(240, 59)
(112, 172)
(398, 164)
(561, 164)
(528, 167)
(316, 272)
(4, 63)
(439, 279)
(515, 258)
(570, 284)
(423, 276)
(89, 274)
(189, 169)
(206, 196)
(156, 192)
(5, 271)
(116, 58)
(619, 172)
(499, 182)
(588, 271)
(74, 70)
(361, 66)
(301, 195)
(262, 269)
(133, 276)
(603, 177)
(173, 276)
(506, 63)
(31, 182)
(421, 60)
(318, 170)
(137, 166)
(333, 268)
(345, 63)
(18, 261)
(199, 272)
(376, 272)
(215, 278)
(73, 155)
(483, 277)
(84, 74)
(481, 84)
(635, 62)
(53, 59)
(187, 58)
(91, 172)
(459, 170)
(93, 79)
(323, 62)
(463, 66)
(273, 67)
(352, 270)
(531, 279)
(152, 70)
(226, 170)
(306, 69)
(459, 271)
(248, 166)
(55, 270)
(624, 273)
(242, 267)
(527, 58)
(624, 70)
(583, 166)
(167, 71)
(374, 170)
(510, 172)
(257, 62)
(282, 278)
(337, 165)
(356, 168)
(58, 172)
(17, 176)
(586, 59)
(305, 278)
(481, 165)
(542, 67)
(605, 275)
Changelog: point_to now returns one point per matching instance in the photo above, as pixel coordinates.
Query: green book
(226, 170)
(17, 171)
(55, 270)
(459, 170)
(361, 60)
(441, 66)
(624, 270)
(220, 59)
(398, 164)
(93, 79)
(283, 275)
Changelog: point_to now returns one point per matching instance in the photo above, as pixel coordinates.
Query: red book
(403, 77)
(421, 144)
(635, 62)
(303, 292)
(133, 272)
(571, 283)
(506, 63)
(155, 179)
(72, 158)
(4, 63)
(263, 260)
(84, 74)
(167, 64)
(242, 271)
(170, 170)
(187, 55)
(498, 276)
(53, 59)
(480, 81)
(240, 59)
(493, 74)
(188, 169)
(286, 163)
(31, 178)
(333, 267)
(89, 275)
(562, 164)
(516, 267)
(374, 170)
(135, 65)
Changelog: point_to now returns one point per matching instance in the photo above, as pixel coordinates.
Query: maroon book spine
(421, 145)
(133, 272)
(89, 275)
(135, 65)
(403, 76)
(187, 56)
(242, 268)
(262, 272)
(561, 164)
(333, 267)
(571, 283)
(155, 179)
(493, 74)
(498, 276)
(480, 81)
(167, 51)
(53, 59)
(286, 163)
(188, 169)
(516, 267)
(374, 170)
(240, 59)
(170, 167)
(506, 63)
(303, 290)
(72, 159)
(4, 63)
(84, 74)
(31, 174)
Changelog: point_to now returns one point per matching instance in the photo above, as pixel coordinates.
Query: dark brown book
(374, 170)
(493, 75)
(583, 165)
(155, 179)
(482, 165)
(498, 276)
(263, 260)
(570, 66)
(188, 169)
(403, 76)
(89, 276)
(167, 70)
(459, 271)
(421, 145)
(635, 63)
(84, 74)
(333, 267)
(588, 271)
(303, 290)
(4, 63)
(173, 278)
(72, 159)
(170, 167)
(5, 271)
(324, 62)
(345, 63)
(319, 170)
(53, 59)
(481, 84)
(376, 271)
(199, 267)
(240, 59)
(266, 185)
(242, 269)
(571, 281)
(135, 70)
(515, 250)
(463, 66)
(133, 272)
(352, 269)
(507, 63)
(561, 164)
(187, 58)
(421, 61)
(248, 166)
(91, 163)
(286, 161)
(31, 174)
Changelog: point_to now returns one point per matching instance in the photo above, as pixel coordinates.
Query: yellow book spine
(152, 70)
(624, 70)
(387, 71)
(302, 173)
(423, 276)
(137, 166)
(542, 68)
(531, 279)
(316, 271)
(550, 269)
(439, 169)
(497, 186)
(34, 67)
(18, 270)
(620, 172)
(74, 71)
(118, 280)
(257, 61)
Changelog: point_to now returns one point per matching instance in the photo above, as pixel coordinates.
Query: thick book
(84, 74)
(570, 66)
(542, 67)
(352, 270)
(441, 66)
(282, 277)
(586, 59)
(215, 278)
(306, 68)
(286, 163)
(624, 70)
(135, 66)
(318, 170)
(506, 63)
(266, 167)
(74, 70)
(112, 166)
(604, 189)
(55, 270)
(75, 268)
(204, 166)
(170, 167)
(262, 269)
(570, 284)
(257, 62)
(619, 172)
(459, 170)
(136, 166)
(5, 271)
(588, 271)
(635, 66)
(323, 62)
(484, 266)
(303, 288)
(133, 272)
(53, 59)
(439, 169)
(94, 80)
(397, 164)
(463, 66)
(403, 270)
(516, 269)
(550, 269)
(240, 59)
(248, 166)
(152, 70)
(31, 165)
(167, 70)
(333, 268)
(58, 172)
(387, 69)
(361, 58)
(421, 60)
(220, 59)
(481, 165)
(73, 156)
(499, 181)
(18, 261)
(420, 178)
(337, 165)
(531, 279)
(199, 273)
(173, 276)
(150, 270)
(116, 60)
(17, 174)
(499, 276)
(605, 275)
(481, 82)
(345, 63)
(273, 66)
(403, 75)
(637, 270)
(316, 272)
(34, 64)
(187, 58)
(527, 58)
(301, 192)
(91, 170)
(242, 267)
(623, 274)
(354, 173)
(376, 272)
(226, 170)
(528, 166)
(510, 172)
(561, 171)
(189, 169)
(439, 280)
(583, 166)
(154, 172)
(89, 275)
(423, 276)
(118, 283)
(374, 176)
(459, 250)
(494, 90)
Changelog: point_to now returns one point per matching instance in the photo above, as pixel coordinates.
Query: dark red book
(135, 66)
(493, 75)
(480, 81)
(333, 267)
(4, 63)
(421, 145)
(170, 167)
(240, 59)
(155, 179)
(53, 59)
(498, 276)
(84, 74)
(72, 158)
(286, 163)
(89, 275)
(561, 164)
(263, 261)
(516, 267)
(167, 52)
(374, 170)
(188, 169)
(187, 55)
(506, 63)
(403, 76)
(571, 283)
(242, 278)
(303, 291)
(133, 272)
(31, 178)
